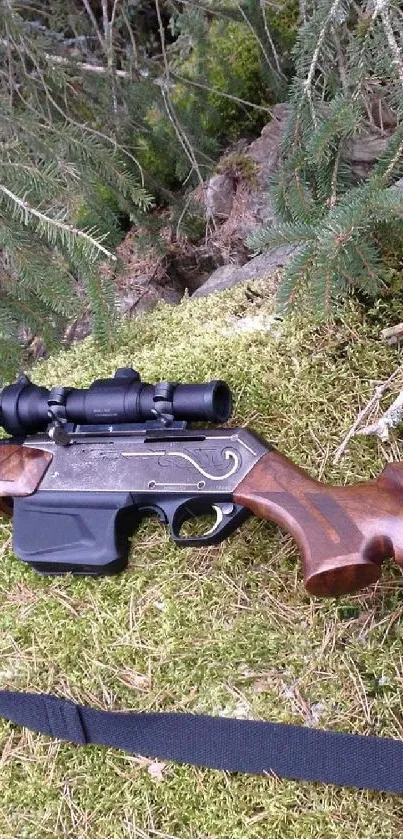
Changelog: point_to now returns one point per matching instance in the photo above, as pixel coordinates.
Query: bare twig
(392, 334)
(360, 63)
(88, 128)
(220, 93)
(124, 74)
(395, 159)
(340, 60)
(101, 70)
(270, 39)
(390, 419)
(256, 37)
(10, 72)
(333, 189)
(132, 41)
(180, 132)
(108, 47)
(210, 11)
(182, 215)
(94, 22)
(183, 139)
(84, 65)
(379, 391)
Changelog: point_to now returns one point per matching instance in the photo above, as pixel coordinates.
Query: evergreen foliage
(348, 80)
(52, 163)
(103, 104)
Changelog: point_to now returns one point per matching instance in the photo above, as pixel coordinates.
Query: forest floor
(227, 629)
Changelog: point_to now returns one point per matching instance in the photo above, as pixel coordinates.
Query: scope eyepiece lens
(221, 402)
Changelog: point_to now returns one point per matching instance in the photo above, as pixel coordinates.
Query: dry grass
(228, 629)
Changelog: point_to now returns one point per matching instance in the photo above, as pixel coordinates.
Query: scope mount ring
(163, 402)
(57, 415)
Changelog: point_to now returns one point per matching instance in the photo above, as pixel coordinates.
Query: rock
(35, 349)
(77, 330)
(142, 294)
(219, 279)
(219, 196)
(256, 269)
(364, 150)
(265, 152)
(192, 266)
(252, 207)
(246, 187)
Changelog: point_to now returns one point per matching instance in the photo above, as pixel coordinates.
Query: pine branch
(307, 86)
(298, 269)
(282, 234)
(390, 162)
(340, 121)
(50, 225)
(392, 43)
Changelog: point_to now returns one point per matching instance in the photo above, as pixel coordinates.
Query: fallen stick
(392, 334)
(379, 391)
(390, 419)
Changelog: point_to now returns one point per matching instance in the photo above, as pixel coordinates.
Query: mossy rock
(227, 58)
(224, 630)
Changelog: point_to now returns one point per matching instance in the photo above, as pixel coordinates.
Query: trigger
(220, 511)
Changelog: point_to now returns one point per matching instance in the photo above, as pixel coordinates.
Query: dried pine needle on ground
(223, 630)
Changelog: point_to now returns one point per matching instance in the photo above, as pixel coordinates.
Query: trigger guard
(225, 523)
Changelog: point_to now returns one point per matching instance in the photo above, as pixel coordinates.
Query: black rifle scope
(26, 408)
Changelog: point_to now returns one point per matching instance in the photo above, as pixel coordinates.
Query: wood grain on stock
(21, 470)
(343, 533)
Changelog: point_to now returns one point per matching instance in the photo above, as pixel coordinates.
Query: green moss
(239, 166)
(285, 21)
(228, 629)
(230, 61)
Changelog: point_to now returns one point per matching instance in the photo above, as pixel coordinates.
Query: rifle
(83, 466)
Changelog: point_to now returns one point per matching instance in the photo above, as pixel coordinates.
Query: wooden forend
(21, 471)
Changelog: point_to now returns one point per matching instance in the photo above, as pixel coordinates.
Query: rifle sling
(254, 747)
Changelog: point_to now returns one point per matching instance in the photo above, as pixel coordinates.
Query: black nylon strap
(289, 751)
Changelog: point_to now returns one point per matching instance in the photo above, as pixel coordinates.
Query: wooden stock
(21, 470)
(343, 533)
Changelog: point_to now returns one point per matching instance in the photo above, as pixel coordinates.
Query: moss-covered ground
(224, 630)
